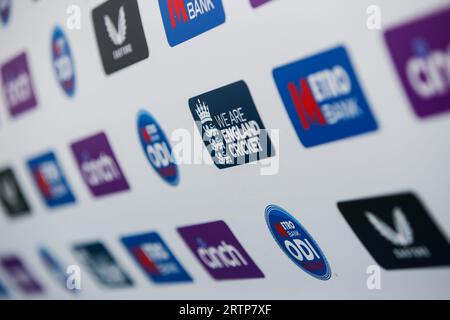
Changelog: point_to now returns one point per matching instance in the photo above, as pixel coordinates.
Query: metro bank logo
(50, 180)
(155, 258)
(323, 98)
(99, 166)
(186, 19)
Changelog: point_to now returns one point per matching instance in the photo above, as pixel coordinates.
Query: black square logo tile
(397, 231)
(120, 35)
(11, 195)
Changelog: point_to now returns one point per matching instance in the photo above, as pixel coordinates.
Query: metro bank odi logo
(297, 243)
(157, 148)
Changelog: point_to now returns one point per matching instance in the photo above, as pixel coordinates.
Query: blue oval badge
(297, 243)
(63, 62)
(157, 148)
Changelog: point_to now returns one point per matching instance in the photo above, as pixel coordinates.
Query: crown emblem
(202, 111)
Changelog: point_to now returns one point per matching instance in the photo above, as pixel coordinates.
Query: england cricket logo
(212, 135)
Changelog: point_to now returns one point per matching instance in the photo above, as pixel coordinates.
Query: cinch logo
(221, 256)
(157, 148)
(297, 243)
(20, 275)
(5, 11)
(98, 165)
(50, 180)
(18, 85)
(219, 251)
(426, 72)
(100, 170)
(120, 35)
(397, 231)
(421, 54)
(11, 195)
(257, 3)
(186, 19)
(103, 265)
(155, 258)
(63, 62)
(323, 98)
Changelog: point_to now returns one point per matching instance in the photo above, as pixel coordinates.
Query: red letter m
(305, 104)
(177, 10)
